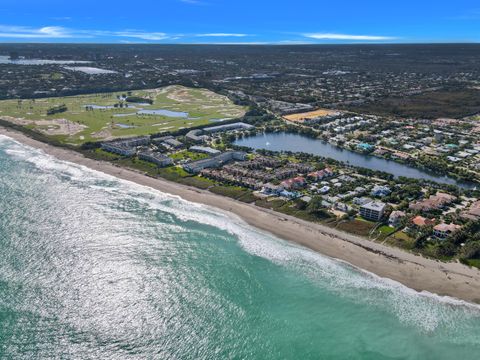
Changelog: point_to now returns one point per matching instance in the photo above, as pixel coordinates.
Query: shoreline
(414, 271)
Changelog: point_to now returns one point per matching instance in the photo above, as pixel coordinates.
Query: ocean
(94, 267)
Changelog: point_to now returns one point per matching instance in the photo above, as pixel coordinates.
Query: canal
(300, 143)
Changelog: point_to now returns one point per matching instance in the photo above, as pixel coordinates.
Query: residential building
(172, 143)
(295, 183)
(473, 213)
(155, 157)
(205, 150)
(373, 210)
(321, 174)
(442, 231)
(195, 136)
(214, 162)
(420, 221)
(125, 147)
(395, 218)
(228, 127)
(118, 149)
(380, 191)
(434, 202)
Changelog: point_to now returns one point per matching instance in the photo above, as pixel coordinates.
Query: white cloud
(333, 36)
(193, 2)
(221, 35)
(61, 18)
(23, 32)
(152, 36)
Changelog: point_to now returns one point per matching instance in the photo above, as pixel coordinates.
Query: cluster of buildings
(260, 173)
(157, 149)
(437, 144)
(125, 147)
(216, 161)
(434, 202)
(202, 135)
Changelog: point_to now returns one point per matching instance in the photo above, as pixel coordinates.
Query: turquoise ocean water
(93, 267)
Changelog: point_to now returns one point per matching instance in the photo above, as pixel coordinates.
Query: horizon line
(241, 44)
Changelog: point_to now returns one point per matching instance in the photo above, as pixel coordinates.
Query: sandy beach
(451, 279)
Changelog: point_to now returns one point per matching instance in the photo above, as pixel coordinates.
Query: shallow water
(7, 60)
(162, 112)
(96, 267)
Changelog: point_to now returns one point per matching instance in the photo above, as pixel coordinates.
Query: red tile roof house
(473, 213)
(443, 231)
(420, 221)
(437, 201)
(295, 183)
(321, 174)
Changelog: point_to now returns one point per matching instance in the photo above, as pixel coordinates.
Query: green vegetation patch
(446, 103)
(105, 116)
(358, 227)
(197, 182)
(188, 155)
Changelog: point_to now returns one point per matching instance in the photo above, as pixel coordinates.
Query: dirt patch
(50, 127)
(102, 134)
(59, 127)
(300, 117)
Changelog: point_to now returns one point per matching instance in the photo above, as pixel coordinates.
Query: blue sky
(240, 21)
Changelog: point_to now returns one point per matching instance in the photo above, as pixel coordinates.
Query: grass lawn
(187, 107)
(185, 155)
(386, 230)
(173, 173)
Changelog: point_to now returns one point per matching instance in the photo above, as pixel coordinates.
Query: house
(420, 221)
(473, 213)
(373, 210)
(365, 147)
(295, 183)
(270, 189)
(380, 191)
(361, 200)
(434, 202)
(340, 206)
(395, 218)
(289, 194)
(324, 190)
(321, 174)
(442, 231)
(346, 178)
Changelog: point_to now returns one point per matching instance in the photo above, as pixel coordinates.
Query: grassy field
(187, 107)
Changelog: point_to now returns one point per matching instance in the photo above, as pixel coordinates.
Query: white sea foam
(421, 309)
